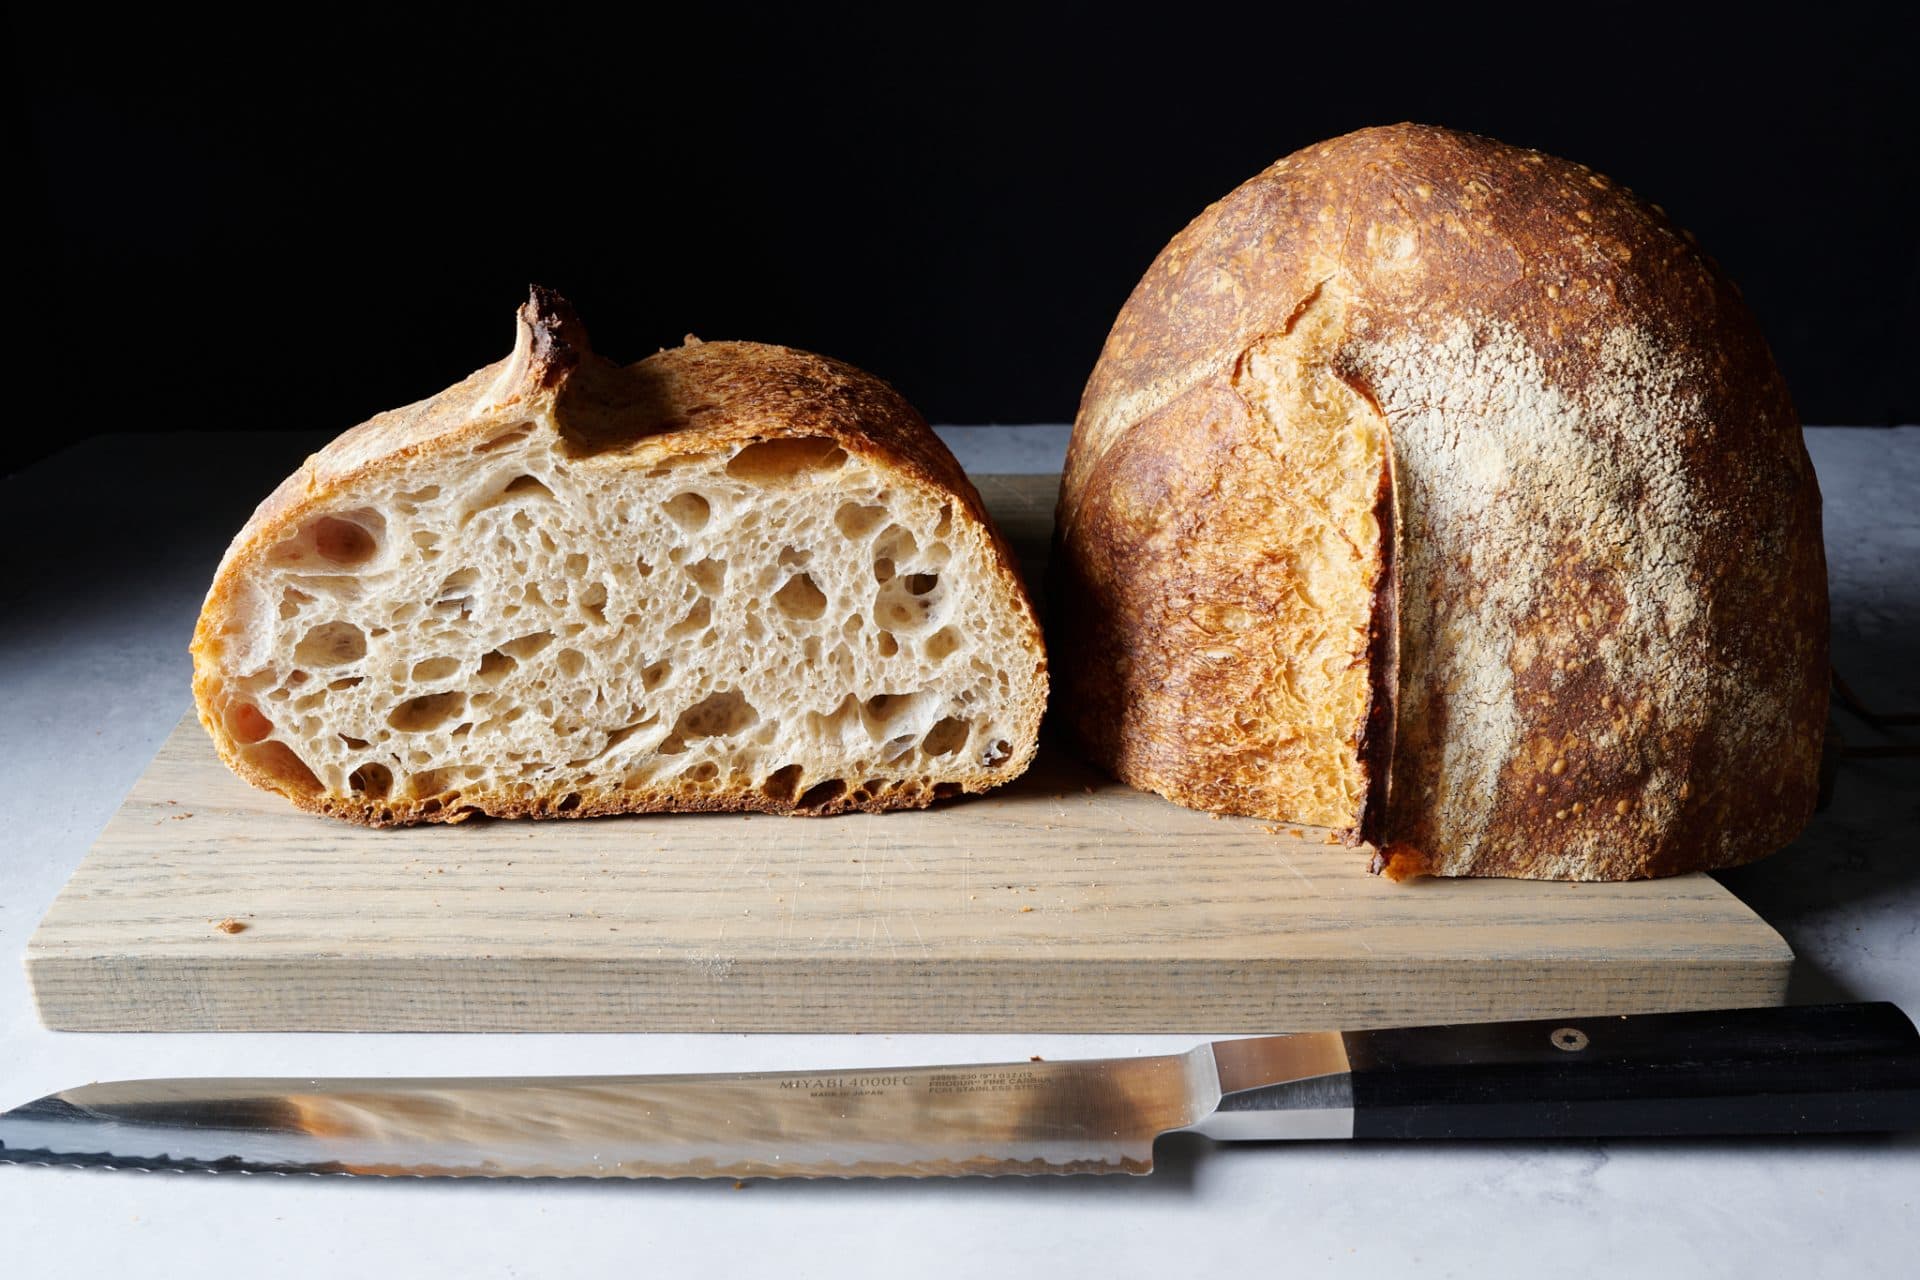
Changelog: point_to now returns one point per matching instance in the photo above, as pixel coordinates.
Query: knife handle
(1841, 1068)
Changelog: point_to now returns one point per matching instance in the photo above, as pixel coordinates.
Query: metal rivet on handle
(1572, 1039)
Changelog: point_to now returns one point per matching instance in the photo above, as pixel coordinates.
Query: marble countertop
(109, 548)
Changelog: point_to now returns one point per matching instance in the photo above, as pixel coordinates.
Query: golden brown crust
(589, 802)
(1611, 588)
(695, 399)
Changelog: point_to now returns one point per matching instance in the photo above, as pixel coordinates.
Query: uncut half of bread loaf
(1444, 493)
(729, 577)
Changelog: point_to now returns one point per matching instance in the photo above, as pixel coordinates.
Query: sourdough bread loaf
(729, 577)
(1446, 494)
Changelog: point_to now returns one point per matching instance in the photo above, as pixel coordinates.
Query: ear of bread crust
(729, 577)
(1605, 577)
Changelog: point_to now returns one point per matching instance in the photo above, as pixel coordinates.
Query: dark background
(296, 223)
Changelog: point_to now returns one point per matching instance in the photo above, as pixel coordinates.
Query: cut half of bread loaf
(730, 577)
(1445, 493)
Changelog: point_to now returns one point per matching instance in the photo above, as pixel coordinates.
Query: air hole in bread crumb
(710, 575)
(454, 589)
(353, 743)
(945, 790)
(800, 597)
(245, 723)
(920, 584)
(945, 526)
(856, 520)
(895, 544)
(898, 609)
(883, 709)
(794, 558)
(594, 601)
(997, 754)
(523, 647)
(703, 772)
(620, 735)
(345, 542)
(372, 780)
(655, 675)
(697, 619)
(433, 782)
(688, 510)
(946, 737)
(893, 748)
(568, 803)
(430, 669)
(786, 461)
(512, 436)
(942, 643)
(494, 666)
(526, 487)
(822, 793)
(278, 761)
(341, 586)
(718, 715)
(888, 645)
(782, 783)
(571, 662)
(882, 569)
(427, 712)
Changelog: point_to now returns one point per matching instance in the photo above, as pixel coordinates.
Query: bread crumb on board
(230, 925)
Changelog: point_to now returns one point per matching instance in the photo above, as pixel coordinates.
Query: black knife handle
(1841, 1068)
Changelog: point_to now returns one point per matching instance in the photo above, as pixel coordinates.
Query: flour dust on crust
(1603, 586)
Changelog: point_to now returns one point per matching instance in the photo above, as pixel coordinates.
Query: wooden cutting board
(1063, 902)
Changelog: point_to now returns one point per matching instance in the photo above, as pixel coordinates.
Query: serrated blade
(1096, 1116)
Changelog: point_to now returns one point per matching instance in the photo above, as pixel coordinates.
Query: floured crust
(699, 400)
(1610, 586)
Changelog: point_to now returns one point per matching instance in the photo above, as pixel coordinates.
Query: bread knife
(1815, 1069)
